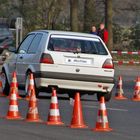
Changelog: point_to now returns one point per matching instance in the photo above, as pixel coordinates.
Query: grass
(126, 57)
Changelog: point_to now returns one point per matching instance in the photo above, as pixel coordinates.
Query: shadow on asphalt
(49, 97)
(65, 98)
(61, 98)
(89, 100)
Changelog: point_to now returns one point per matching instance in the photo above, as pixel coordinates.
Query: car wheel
(5, 84)
(27, 83)
(107, 96)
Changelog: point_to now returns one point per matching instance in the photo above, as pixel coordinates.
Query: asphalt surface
(123, 116)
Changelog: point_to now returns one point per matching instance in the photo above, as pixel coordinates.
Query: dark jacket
(103, 34)
(94, 33)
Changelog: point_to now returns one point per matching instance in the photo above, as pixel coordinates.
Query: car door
(23, 57)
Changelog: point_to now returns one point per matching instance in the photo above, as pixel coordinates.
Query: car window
(4, 32)
(77, 45)
(35, 43)
(25, 44)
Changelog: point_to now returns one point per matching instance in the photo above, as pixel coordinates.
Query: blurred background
(120, 16)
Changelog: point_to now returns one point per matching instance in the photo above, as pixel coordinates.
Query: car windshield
(76, 45)
(4, 32)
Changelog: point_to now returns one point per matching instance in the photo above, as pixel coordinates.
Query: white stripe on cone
(72, 101)
(14, 80)
(120, 83)
(33, 98)
(54, 100)
(33, 110)
(13, 97)
(54, 112)
(102, 106)
(13, 108)
(102, 119)
(32, 82)
(138, 84)
(29, 92)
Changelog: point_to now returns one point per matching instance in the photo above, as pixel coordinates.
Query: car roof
(66, 33)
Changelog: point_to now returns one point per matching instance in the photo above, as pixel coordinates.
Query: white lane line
(113, 109)
(71, 101)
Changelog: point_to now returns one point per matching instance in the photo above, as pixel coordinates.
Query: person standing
(93, 30)
(103, 33)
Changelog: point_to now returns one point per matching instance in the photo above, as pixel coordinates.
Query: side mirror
(12, 49)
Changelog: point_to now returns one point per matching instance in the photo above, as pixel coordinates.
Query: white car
(66, 60)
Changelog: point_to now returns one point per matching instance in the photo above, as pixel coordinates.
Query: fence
(131, 62)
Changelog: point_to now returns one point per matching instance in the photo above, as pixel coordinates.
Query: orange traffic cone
(14, 84)
(54, 114)
(77, 118)
(119, 95)
(136, 96)
(102, 120)
(30, 86)
(1, 89)
(32, 115)
(13, 112)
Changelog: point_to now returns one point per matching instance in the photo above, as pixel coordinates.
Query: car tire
(107, 96)
(26, 85)
(5, 84)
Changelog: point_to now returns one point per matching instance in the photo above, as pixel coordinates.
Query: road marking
(113, 109)
(89, 106)
(71, 102)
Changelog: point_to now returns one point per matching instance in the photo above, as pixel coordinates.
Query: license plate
(78, 61)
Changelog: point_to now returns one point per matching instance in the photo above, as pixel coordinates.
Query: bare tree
(92, 16)
(4, 8)
(42, 13)
(88, 14)
(74, 15)
(108, 20)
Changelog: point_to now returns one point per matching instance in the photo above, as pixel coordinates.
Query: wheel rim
(3, 79)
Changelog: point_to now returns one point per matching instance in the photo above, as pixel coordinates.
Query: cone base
(136, 99)
(78, 126)
(102, 129)
(55, 123)
(13, 118)
(17, 97)
(2, 95)
(121, 98)
(34, 120)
